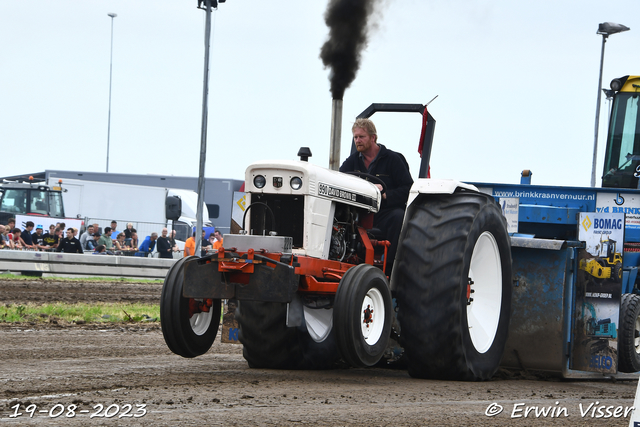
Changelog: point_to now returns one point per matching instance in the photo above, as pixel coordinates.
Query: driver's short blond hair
(367, 125)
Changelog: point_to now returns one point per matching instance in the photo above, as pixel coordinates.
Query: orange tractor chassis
(267, 276)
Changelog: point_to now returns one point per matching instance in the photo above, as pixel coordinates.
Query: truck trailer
(145, 207)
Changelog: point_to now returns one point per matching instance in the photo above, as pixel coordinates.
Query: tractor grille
(289, 216)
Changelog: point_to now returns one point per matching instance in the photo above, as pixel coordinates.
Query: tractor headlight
(259, 181)
(296, 183)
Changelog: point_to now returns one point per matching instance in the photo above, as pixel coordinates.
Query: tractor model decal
(332, 192)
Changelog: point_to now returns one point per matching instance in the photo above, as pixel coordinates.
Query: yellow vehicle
(613, 259)
(622, 156)
(609, 267)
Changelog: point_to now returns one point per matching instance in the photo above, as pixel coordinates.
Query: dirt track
(54, 366)
(46, 291)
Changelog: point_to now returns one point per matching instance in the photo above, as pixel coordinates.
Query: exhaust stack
(336, 134)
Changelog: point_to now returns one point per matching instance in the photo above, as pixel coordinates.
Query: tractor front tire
(186, 335)
(629, 334)
(362, 315)
(269, 344)
(453, 279)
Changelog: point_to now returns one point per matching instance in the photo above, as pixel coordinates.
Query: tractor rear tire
(187, 336)
(452, 245)
(629, 334)
(362, 315)
(269, 344)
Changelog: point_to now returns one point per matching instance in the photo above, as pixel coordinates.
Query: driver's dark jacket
(390, 167)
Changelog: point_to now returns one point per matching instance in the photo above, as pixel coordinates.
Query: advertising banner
(628, 204)
(230, 328)
(598, 292)
(510, 210)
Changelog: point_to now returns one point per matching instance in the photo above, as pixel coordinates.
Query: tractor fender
(436, 186)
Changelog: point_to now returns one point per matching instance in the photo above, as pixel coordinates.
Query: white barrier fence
(58, 263)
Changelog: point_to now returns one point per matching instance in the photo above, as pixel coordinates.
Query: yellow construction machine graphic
(608, 266)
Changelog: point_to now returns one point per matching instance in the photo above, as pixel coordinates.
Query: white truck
(145, 207)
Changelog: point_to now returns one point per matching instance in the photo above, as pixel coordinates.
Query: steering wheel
(371, 178)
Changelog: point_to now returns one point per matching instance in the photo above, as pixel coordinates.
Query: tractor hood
(303, 178)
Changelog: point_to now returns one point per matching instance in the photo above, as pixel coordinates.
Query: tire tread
(628, 358)
(269, 344)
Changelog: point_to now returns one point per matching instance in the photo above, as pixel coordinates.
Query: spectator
(8, 238)
(100, 250)
(11, 224)
(147, 245)
(59, 232)
(50, 239)
(27, 240)
(61, 225)
(93, 242)
(96, 227)
(218, 243)
(86, 236)
(134, 240)
(114, 230)
(172, 239)
(205, 245)
(38, 238)
(69, 245)
(52, 229)
(3, 243)
(18, 243)
(127, 233)
(190, 246)
(119, 243)
(105, 239)
(164, 245)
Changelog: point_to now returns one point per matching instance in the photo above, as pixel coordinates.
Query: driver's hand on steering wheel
(384, 195)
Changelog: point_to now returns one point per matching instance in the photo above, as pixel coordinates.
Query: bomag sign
(608, 224)
(602, 225)
(594, 228)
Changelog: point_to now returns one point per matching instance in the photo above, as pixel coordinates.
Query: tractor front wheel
(362, 314)
(189, 326)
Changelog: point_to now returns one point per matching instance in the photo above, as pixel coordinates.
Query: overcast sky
(516, 84)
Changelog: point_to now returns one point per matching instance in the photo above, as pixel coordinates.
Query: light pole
(606, 29)
(112, 15)
(207, 5)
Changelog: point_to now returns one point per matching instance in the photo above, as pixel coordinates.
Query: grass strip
(80, 313)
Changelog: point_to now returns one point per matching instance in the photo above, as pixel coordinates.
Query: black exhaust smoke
(348, 29)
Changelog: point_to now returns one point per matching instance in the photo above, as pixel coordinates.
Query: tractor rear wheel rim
(372, 316)
(485, 272)
(200, 321)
